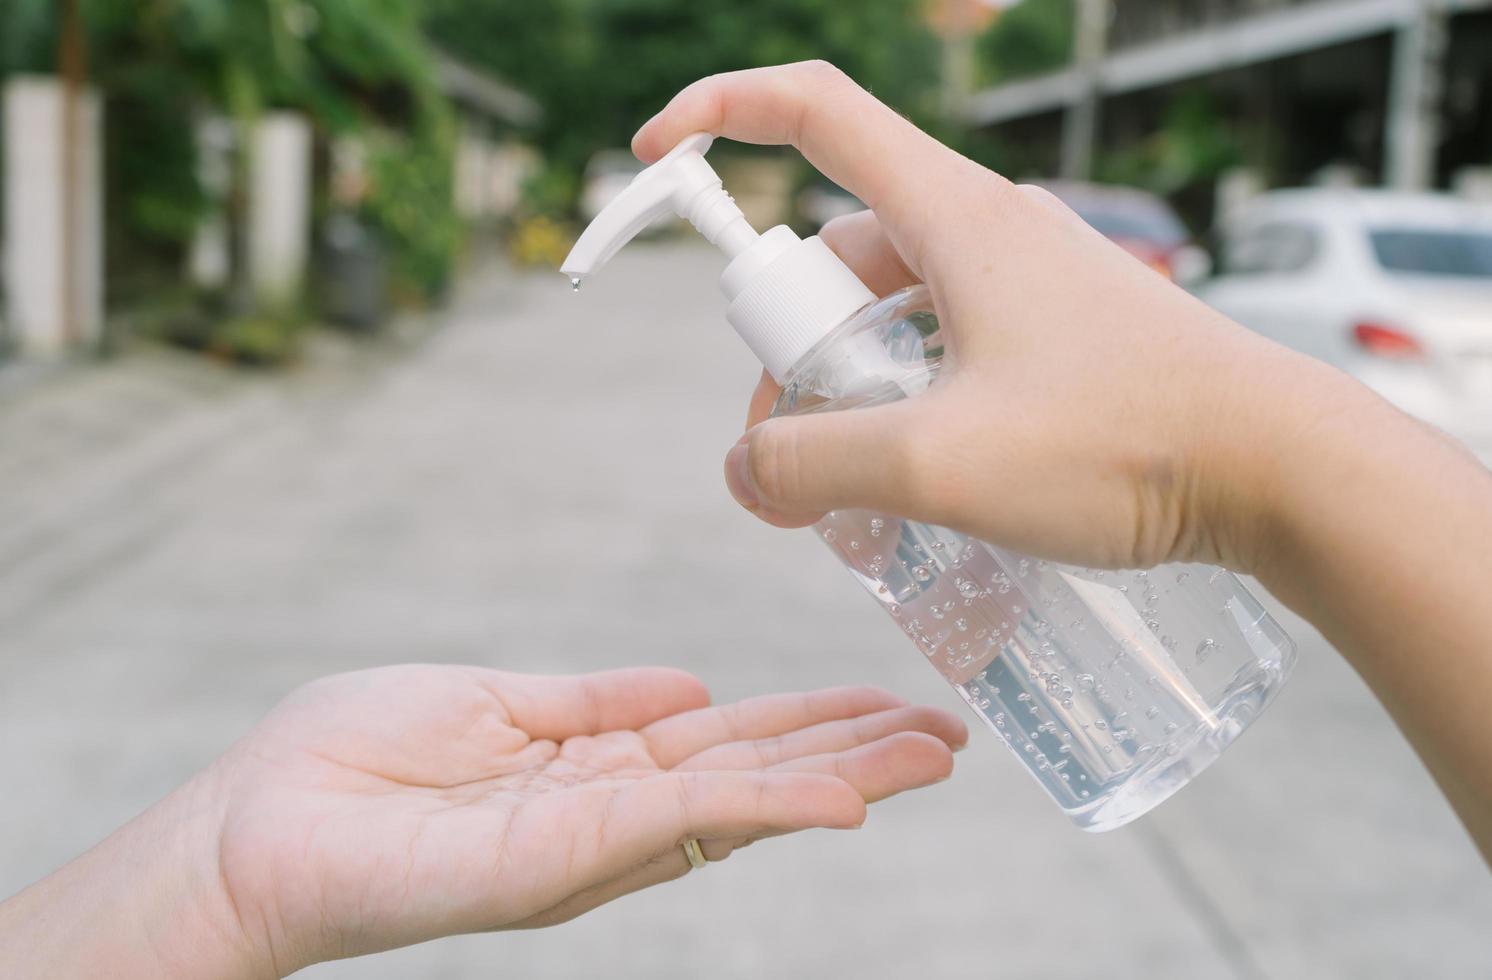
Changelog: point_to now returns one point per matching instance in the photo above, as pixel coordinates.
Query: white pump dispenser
(785, 293)
(1113, 688)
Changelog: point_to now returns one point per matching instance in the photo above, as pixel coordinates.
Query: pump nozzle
(681, 183)
(785, 293)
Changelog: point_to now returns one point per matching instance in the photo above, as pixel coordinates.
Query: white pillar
(1413, 131)
(279, 225)
(1080, 122)
(36, 208)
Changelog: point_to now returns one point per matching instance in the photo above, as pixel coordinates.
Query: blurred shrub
(552, 191)
(1195, 143)
(352, 65)
(600, 67)
(203, 322)
(1032, 37)
(28, 40)
(411, 202)
(257, 339)
(540, 240)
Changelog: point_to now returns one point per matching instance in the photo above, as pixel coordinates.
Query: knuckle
(686, 791)
(821, 72)
(769, 751)
(773, 461)
(816, 84)
(1038, 193)
(1044, 199)
(838, 227)
(844, 229)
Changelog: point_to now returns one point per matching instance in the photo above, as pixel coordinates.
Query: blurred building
(491, 163)
(1397, 92)
(57, 257)
(957, 23)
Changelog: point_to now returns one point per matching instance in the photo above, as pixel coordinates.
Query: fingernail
(737, 475)
(960, 746)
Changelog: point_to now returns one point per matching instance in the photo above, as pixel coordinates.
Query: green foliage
(257, 339)
(601, 67)
(262, 338)
(28, 41)
(1033, 37)
(552, 191)
(152, 192)
(354, 65)
(1194, 143)
(411, 204)
(598, 67)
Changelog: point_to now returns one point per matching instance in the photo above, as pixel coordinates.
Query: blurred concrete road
(536, 485)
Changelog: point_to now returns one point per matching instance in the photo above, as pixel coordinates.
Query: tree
(353, 65)
(601, 67)
(1032, 37)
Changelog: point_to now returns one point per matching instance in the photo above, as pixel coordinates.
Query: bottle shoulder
(889, 350)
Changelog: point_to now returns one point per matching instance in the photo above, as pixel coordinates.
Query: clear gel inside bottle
(1113, 688)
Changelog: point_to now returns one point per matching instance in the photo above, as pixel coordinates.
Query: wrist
(1336, 471)
(146, 902)
(1272, 421)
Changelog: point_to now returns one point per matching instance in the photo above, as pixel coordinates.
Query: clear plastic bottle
(1113, 688)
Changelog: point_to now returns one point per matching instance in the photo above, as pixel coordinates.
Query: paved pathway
(535, 485)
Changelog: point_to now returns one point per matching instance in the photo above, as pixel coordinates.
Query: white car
(1394, 288)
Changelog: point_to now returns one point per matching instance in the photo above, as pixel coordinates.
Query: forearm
(146, 902)
(1383, 539)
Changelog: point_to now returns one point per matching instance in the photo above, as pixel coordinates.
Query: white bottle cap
(785, 293)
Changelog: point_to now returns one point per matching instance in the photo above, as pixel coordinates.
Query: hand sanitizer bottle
(1113, 688)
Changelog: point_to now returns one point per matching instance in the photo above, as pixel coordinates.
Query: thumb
(790, 471)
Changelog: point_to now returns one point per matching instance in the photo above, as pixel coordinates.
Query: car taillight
(1384, 341)
(1155, 256)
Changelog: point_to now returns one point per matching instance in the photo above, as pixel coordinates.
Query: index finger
(850, 136)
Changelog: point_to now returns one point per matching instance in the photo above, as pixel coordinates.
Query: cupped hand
(386, 807)
(1093, 413)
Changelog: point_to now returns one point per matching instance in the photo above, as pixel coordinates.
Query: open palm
(390, 806)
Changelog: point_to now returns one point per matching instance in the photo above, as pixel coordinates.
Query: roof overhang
(483, 92)
(1236, 44)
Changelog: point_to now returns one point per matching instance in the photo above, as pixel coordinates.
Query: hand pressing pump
(1113, 688)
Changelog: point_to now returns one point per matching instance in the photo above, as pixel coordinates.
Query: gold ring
(693, 853)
